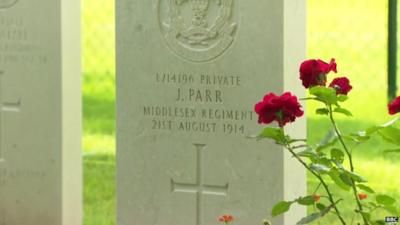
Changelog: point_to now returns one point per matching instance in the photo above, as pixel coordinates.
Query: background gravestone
(188, 75)
(40, 112)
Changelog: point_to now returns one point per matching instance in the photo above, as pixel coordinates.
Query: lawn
(354, 32)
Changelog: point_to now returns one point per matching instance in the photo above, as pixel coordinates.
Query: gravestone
(189, 73)
(40, 113)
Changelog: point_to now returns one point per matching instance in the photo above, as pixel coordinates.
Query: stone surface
(188, 76)
(40, 113)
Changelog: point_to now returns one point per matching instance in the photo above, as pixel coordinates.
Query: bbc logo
(392, 219)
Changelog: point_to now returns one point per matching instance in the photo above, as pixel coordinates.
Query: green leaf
(322, 111)
(365, 188)
(338, 164)
(308, 200)
(327, 209)
(323, 161)
(308, 219)
(378, 222)
(343, 111)
(342, 98)
(366, 215)
(346, 179)
(356, 177)
(385, 200)
(324, 94)
(276, 134)
(327, 144)
(321, 206)
(373, 204)
(360, 136)
(319, 168)
(315, 216)
(281, 208)
(390, 134)
(375, 129)
(337, 155)
(392, 209)
(329, 139)
(391, 151)
(308, 154)
(335, 176)
(291, 141)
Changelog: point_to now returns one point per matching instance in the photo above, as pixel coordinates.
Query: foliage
(328, 163)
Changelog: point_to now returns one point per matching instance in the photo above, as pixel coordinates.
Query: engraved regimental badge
(7, 3)
(198, 30)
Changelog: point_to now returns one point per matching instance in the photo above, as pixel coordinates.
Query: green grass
(380, 170)
(99, 113)
(99, 190)
(353, 32)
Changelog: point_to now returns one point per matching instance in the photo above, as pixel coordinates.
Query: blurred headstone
(40, 113)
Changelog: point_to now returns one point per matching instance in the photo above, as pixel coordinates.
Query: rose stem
(335, 127)
(288, 147)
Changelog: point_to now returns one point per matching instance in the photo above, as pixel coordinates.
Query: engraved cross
(199, 188)
(5, 107)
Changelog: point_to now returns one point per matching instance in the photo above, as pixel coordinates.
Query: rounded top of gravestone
(198, 30)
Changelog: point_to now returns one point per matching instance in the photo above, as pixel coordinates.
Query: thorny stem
(349, 155)
(330, 196)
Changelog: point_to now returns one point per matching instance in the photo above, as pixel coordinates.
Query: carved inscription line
(7, 3)
(199, 188)
(12, 107)
(17, 44)
(211, 113)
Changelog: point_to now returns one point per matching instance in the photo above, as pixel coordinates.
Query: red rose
(283, 109)
(342, 85)
(313, 72)
(394, 106)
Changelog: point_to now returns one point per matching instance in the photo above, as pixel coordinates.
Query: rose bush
(326, 162)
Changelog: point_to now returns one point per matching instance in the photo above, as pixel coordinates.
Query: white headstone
(40, 113)
(189, 73)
